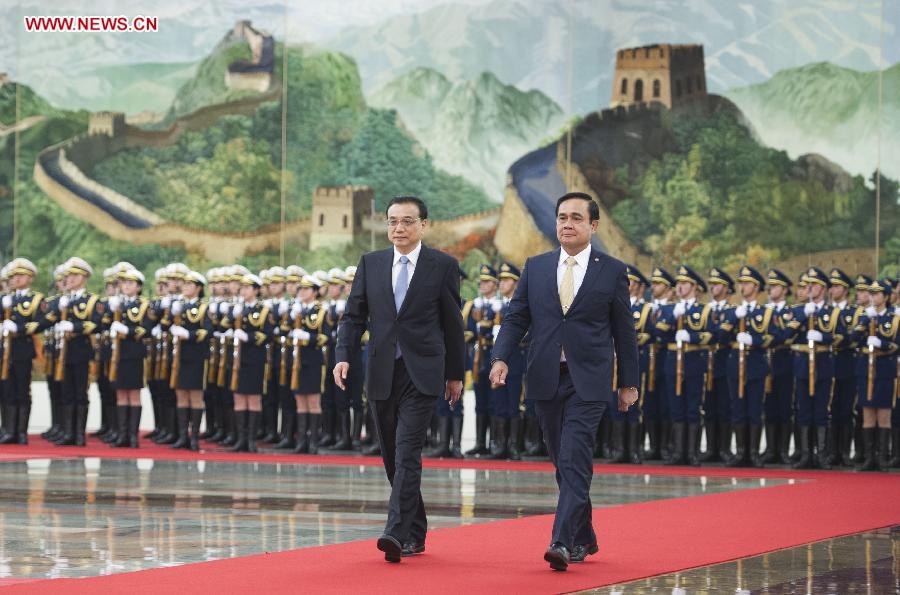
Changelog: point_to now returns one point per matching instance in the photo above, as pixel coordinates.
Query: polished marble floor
(865, 563)
(71, 518)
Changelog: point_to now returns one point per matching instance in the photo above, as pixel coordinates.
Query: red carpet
(636, 541)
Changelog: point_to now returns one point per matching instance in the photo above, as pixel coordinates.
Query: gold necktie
(567, 287)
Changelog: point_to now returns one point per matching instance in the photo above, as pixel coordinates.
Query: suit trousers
(570, 426)
(402, 421)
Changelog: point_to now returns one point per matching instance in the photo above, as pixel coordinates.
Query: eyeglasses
(405, 222)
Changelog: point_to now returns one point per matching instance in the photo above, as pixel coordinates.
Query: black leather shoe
(580, 552)
(391, 548)
(412, 548)
(558, 556)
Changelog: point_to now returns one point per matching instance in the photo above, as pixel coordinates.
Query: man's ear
(594, 225)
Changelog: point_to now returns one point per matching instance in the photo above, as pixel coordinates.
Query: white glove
(478, 302)
(745, 339)
(741, 311)
(65, 326)
(296, 310)
(118, 328)
(683, 336)
(268, 303)
(228, 334)
(237, 310)
(7, 302)
(114, 303)
(871, 313)
(165, 302)
(10, 327)
(283, 308)
(218, 334)
(300, 334)
(340, 306)
(495, 331)
(814, 336)
(770, 305)
(679, 310)
(809, 308)
(874, 342)
(177, 308)
(496, 305)
(63, 302)
(213, 308)
(241, 335)
(654, 307)
(157, 331)
(179, 331)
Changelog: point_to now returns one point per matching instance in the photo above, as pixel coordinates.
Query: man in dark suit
(407, 297)
(574, 302)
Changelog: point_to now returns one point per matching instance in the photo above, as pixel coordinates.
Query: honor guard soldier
(755, 330)
(22, 319)
(815, 327)
(277, 302)
(309, 336)
(717, 403)
(861, 372)
(877, 332)
(779, 403)
(626, 444)
(76, 316)
(355, 379)
(108, 431)
(840, 433)
(54, 387)
(335, 311)
(130, 325)
(292, 277)
(686, 328)
(655, 405)
(328, 420)
(234, 281)
(481, 323)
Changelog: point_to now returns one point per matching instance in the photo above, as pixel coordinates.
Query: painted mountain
(473, 128)
(827, 109)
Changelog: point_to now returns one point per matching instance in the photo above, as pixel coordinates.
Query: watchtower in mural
(662, 73)
(339, 213)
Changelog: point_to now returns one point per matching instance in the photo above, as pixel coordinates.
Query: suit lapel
(595, 264)
(551, 263)
(385, 280)
(423, 268)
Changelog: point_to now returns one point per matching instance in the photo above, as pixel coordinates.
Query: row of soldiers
(823, 371)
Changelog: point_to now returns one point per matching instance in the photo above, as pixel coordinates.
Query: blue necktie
(400, 291)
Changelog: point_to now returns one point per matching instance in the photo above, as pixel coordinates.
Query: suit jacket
(428, 327)
(598, 325)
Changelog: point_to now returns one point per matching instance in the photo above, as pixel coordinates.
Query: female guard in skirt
(191, 328)
(132, 321)
(252, 326)
(308, 319)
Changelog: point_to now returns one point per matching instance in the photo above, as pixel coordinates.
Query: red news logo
(99, 24)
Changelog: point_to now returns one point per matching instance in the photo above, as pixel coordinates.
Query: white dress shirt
(413, 259)
(578, 271)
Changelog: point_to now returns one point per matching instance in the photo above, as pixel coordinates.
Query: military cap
(636, 275)
(21, 266)
(748, 273)
(863, 282)
(883, 285)
(717, 275)
(251, 279)
(686, 273)
(132, 275)
(818, 276)
(350, 273)
(277, 274)
(195, 277)
(487, 273)
(336, 276)
(78, 266)
(509, 271)
(839, 277)
(310, 281)
(661, 275)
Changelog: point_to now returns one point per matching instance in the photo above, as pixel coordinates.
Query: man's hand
(627, 398)
(340, 374)
(453, 392)
(498, 373)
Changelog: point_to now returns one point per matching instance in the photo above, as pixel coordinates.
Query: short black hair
(593, 207)
(399, 200)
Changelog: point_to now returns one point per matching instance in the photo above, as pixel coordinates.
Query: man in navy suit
(407, 297)
(574, 301)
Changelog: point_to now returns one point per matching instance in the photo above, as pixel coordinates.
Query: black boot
(219, 431)
(845, 440)
(157, 414)
(301, 446)
(288, 420)
(652, 427)
(784, 443)
(369, 424)
(711, 455)
(170, 432)
(859, 443)
(828, 451)
(23, 419)
(314, 441)
(326, 439)
(230, 437)
(122, 440)
(196, 418)
(895, 446)
(635, 448)
(498, 438)
(54, 413)
(515, 433)
(10, 423)
(211, 420)
(755, 436)
(617, 442)
(356, 429)
(771, 454)
(665, 440)
(240, 421)
(693, 444)
(481, 428)
(820, 460)
(66, 435)
(81, 411)
(252, 426)
(884, 448)
(456, 422)
(676, 452)
(871, 461)
(183, 415)
(740, 458)
(532, 436)
(725, 441)
(442, 450)
(270, 414)
(134, 422)
(805, 459)
(343, 427)
(606, 446)
(798, 448)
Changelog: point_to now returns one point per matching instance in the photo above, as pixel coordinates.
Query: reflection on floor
(71, 518)
(863, 563)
